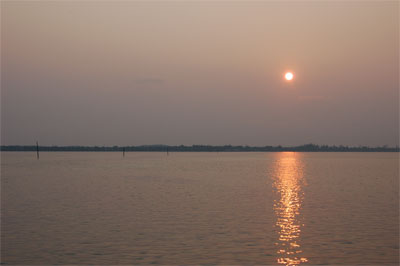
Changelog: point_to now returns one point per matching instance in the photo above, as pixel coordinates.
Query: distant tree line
(204, 148)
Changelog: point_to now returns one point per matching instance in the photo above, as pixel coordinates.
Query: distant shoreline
(201, 148)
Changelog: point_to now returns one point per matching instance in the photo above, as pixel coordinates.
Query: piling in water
(123, 152)
(37, 150)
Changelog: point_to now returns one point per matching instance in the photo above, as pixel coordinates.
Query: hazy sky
(133, 72)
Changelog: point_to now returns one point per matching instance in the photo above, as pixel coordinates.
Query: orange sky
(131, 72)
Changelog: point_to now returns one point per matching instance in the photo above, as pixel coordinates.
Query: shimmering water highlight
(200, 208)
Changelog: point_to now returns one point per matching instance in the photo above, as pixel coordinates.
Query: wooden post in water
(167, 151)
(37, 150)
(123, 152)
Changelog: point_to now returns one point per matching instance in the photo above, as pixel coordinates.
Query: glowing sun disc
(289, 76)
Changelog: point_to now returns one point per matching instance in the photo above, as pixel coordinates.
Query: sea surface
(278, 208)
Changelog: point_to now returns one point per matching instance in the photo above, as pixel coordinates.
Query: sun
(289, 76)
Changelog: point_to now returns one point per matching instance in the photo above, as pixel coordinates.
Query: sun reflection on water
(288, 184)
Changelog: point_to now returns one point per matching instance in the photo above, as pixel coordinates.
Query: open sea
(269, 208)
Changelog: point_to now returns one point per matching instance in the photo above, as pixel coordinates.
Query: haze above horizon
(133, 72)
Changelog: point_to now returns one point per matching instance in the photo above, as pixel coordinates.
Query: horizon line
(208, 145)
(203, 148)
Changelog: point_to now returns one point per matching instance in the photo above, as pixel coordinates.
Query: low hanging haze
(200, 72)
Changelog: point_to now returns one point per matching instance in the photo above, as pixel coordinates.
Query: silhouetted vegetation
(205, 148)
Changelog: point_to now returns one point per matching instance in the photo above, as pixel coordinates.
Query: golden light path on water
(288, 182)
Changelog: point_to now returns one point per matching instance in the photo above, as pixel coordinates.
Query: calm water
(200, 208)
